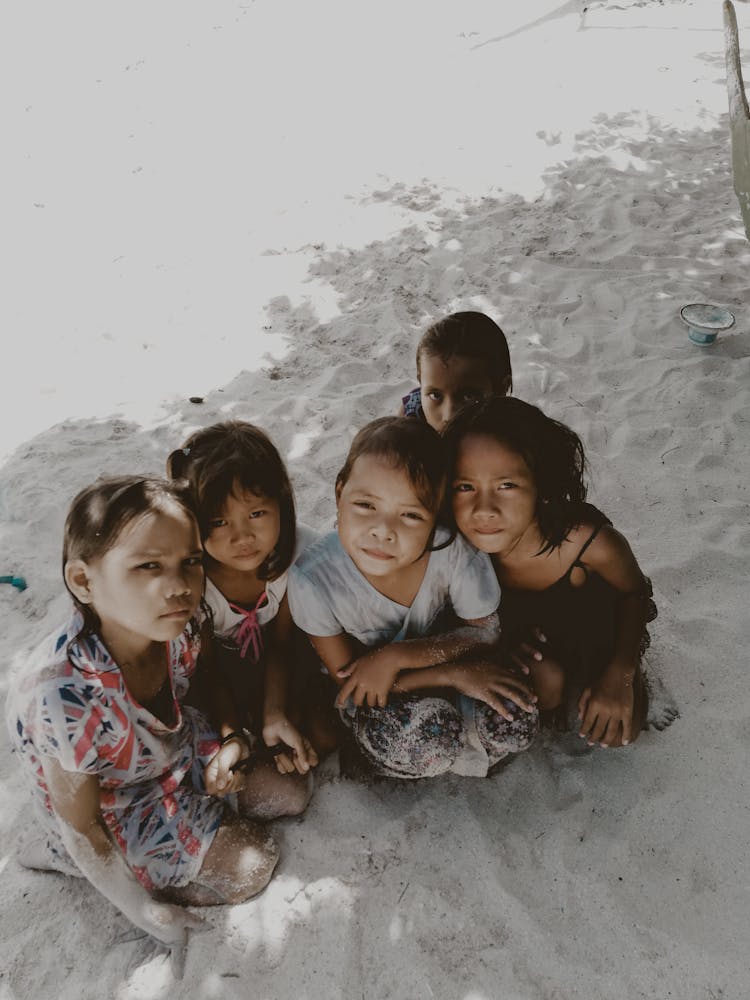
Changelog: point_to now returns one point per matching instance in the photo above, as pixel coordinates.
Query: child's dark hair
(409, 445)
(100, 512)
(470, 335)
(552, 451)
(218, 459)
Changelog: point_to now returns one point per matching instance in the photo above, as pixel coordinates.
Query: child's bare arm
(277, 727)
(75, 801)
(483, 680)
(606, 709)
(213, 696)
(369, 678)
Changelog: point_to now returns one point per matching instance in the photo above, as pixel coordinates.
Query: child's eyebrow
(367, 495)
(158, 553)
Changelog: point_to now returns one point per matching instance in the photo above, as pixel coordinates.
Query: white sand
(190, 187)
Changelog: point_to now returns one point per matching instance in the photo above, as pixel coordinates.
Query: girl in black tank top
(566, 574)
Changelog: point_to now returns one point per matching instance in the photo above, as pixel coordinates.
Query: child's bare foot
(662, 708)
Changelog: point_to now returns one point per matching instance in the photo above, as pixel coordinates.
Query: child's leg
(548, 679)
(238, 865)
(268, 794)
(501, 737)
(412, 737)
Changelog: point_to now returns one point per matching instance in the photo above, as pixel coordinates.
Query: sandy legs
(238, 865)
(422, 737)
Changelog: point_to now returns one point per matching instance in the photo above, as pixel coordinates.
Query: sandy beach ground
(263, 205)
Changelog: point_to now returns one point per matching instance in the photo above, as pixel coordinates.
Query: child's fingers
(312, 756)
(345, 671)
(521, 698)
(530, 652)
(345, 692)
(284, 764)
(583, 703)
(538, 634)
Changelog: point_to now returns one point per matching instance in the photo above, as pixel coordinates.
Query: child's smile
(494, 495)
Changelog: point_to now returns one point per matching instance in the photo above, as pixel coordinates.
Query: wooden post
(739, 115)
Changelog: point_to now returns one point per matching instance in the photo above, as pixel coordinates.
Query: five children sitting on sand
(468, 592)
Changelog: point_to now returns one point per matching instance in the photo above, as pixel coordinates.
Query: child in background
(369, 597)
(250, 534)
(128, 782)
(575, 601)
(459, 359)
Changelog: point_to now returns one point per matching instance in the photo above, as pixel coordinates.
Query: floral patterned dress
(70, 702)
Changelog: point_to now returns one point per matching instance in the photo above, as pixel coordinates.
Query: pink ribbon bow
(250, 633)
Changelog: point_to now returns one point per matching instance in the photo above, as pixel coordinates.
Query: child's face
(246, 531)
(382, 523)
(148, 585)
(446, 386)
(494, 495)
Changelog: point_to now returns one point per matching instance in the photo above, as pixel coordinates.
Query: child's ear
(77, 578)
(339, 488)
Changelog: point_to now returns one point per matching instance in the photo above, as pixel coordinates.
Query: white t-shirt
(328, 595)
(227, 622)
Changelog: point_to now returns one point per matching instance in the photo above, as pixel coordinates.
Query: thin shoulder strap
(577, 560)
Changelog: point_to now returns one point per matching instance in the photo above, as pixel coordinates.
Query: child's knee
(411, 738)
(500, 736)
(548, 679)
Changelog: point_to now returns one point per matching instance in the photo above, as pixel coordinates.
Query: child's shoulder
(305, 536)
(321, 551)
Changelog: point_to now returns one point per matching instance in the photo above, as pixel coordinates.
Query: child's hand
(279, 730)
(606, 711)
(370, 678)
(486, 681)
(218, 776)
(527, 652)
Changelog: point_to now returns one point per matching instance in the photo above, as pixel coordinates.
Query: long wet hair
(469, 335)
(409, 445)
(101, 511)
(553, 452)
(217, 459)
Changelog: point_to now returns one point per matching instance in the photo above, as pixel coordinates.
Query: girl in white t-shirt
(250, 536)
(420, 700)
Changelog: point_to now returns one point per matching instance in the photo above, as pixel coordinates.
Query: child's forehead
(483, 447)
(246, 495)
(378, 473)
(150, 527)
(456, 367)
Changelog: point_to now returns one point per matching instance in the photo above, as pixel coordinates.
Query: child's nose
(245, 529)
(383, 528)
(178, 584)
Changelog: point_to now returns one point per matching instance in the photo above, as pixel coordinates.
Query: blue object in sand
(15, 581)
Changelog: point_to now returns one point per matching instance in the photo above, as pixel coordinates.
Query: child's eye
(258, 513)
(462, 488)
(194, 561)
(148, 565)
(435, 396)
(470, 396)
(364, 504)
(216, 522)
(507, 486)
(411, 515)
